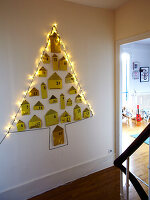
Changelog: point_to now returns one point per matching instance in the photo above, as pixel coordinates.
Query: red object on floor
(138, 116)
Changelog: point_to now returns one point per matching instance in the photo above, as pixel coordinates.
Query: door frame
(118, 90)
(118, 96)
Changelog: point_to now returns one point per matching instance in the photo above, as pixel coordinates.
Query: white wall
(89, 36)
(128, 21)
(138, 53)
(138, 92)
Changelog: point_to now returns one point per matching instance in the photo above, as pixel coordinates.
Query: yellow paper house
(69, 102)
(51, 118)
(55, 62)
(34, 92)
(46, 58)
(25, 108)
(55, 43)
(72, 90)
(43, 91)
(38, 106)
(62, 101)
(54, 82)
(78, 99)
(65, 117)
(77, 113)
(63, 64)
(86, 113)
(69, 78)
(20, 126)
(58, 135)
(35, 122)
(42, 72)
(53, 99)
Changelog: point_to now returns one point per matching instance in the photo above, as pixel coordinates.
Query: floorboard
(139, 161)
(100, 185)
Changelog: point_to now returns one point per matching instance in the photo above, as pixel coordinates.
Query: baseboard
(50, 181)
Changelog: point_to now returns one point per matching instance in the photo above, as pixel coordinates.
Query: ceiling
(110, 4)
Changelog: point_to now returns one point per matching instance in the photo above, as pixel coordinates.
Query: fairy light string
(82, 94)
(46, 48)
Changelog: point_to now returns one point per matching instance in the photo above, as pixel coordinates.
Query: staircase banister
(127, 153)
(134, 146)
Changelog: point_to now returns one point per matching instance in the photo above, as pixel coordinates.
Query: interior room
(61, 109)
(135, 101)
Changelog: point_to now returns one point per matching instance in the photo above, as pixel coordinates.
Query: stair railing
(125, 156)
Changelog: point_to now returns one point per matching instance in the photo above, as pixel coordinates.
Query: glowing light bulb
(19, 103)
(48, 35)
(36, 61)
(72, 64)
(55, 24)
(30, 77)
(25, 93)
(7, 128)
(41, 49)
(13, 116)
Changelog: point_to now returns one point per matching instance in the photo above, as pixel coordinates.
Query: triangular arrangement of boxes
(55, 100)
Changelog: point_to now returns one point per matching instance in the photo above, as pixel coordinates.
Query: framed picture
(136, 65)
(135, 74)
(144, 74)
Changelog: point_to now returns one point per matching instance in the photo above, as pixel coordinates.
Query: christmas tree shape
(53, 101)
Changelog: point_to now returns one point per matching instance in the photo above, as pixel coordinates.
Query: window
(57, 82)
(125, 62)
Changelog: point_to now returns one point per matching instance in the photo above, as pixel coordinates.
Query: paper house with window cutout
(69, 102)
(42, 72)
(46, 58)
(69, 78)
(21, 126)
(51, 118)
(44, 91)
(77, 113)
(72, 90)
(55, 62)
(54, 82)
(62, 101)
(25, 108)
(65, 117)
(86, 113)
(35, 122)
(78, 99)
(38, 106)
(58, 136)
(53, 99)
(63, 64)
(55, 43)
(34, 92)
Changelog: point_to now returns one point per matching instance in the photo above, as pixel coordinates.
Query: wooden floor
(106, 183)
(139, 160)
(100, 185)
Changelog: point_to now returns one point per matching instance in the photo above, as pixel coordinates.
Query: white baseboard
(50, 181)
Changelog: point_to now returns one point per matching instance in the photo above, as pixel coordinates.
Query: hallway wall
(27, 166)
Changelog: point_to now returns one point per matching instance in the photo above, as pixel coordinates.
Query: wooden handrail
(128, 152)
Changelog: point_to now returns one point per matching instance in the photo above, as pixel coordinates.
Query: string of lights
(32, 77)
(82, 94)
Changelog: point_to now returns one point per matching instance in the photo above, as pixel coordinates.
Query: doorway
(134, 94)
